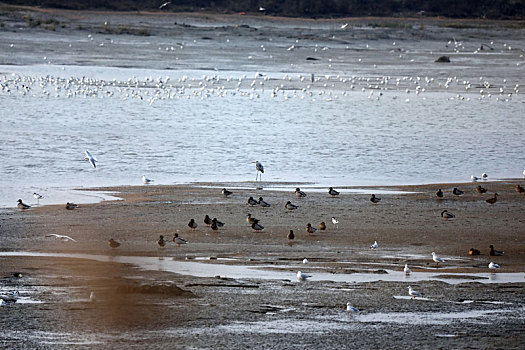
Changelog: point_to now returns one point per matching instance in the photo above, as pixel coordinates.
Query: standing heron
(260, 168)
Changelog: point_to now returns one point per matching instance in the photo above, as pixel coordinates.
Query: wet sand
(256, 312)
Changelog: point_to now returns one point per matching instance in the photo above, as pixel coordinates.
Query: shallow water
(205, 125)
(280, 272)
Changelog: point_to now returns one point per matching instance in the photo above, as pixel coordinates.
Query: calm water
(196, 128)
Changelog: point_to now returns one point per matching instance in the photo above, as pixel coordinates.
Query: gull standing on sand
(407, 270)
(413, 293)
(299, 193)
(351, 308)
(332, 192)
(37, 197)
(446, 215)
(437, 259)
(374, 246)
(22, 205)
(90, 159)
(145, 180)
(302, 276)
(493, 267)
(61, 237)
(260, 169)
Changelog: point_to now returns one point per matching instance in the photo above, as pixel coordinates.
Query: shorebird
(493, 199)
(37, 197)
(207, 220)
(257, 227)
(437, 259)
(71, 206)
(310, 229)
(299, 193)
(374, 199)
(252, 201)
(251, 220)
(374, 246)
(161, 242)
(413, 293)
(192, 224)
(61, 237)
(332, 192)
(494, 252)
(473, 251)
(260, 169)
(305, 261)
(335, 222)
(480, 189)
(407, 270)
(351, 308)
(145, 180)
(302, 276)
(22, 205)
(262, 203)
(474, 178)
(113, 244)
(493, 267)
(226, 193)
(520, 189)
(457, 192)
(179, 240)
(439, 193)
(446, 215)
(290, 206)
(92, 160)
(322, 226)
(290, 236)
(484, 176)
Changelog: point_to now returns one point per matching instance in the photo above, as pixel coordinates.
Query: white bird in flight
(413, 293)
(146, 180)
(61, 237)
(344, 26)
(351, 308)
(90, 159)
(164, 5)
(302, 276)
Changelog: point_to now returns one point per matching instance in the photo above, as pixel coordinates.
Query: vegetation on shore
(492, 9)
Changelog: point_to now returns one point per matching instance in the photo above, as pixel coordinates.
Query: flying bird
(90, 159)
(344, 26)
(164, 5)
(22, 205)
(61, 237)
(145, 180)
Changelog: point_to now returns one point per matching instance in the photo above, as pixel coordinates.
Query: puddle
(280, 272)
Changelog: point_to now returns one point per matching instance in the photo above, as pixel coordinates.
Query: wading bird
(260, 169)
(37, 197)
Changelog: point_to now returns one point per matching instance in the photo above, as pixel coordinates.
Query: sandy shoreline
(407, 227)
